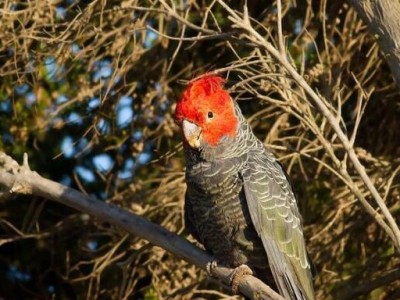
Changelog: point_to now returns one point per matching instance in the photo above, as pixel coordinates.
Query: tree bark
(21, 180)
(383, 19)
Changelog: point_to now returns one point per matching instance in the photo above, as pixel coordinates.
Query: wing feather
(275, 216)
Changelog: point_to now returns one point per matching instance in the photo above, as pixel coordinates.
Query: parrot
(239, 202)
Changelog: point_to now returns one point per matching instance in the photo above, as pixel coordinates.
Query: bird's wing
(275, 216)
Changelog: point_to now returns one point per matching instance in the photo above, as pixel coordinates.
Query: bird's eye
(210, 115)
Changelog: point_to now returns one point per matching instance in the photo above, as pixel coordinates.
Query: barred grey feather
(240, 205)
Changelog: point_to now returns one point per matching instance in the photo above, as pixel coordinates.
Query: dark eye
(210, 115)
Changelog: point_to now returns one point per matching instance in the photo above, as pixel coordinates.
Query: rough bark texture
(383, 19)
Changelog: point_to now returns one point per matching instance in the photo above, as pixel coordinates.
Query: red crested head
(206, 112)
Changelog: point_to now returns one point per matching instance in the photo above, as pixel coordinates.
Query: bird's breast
(220, 213)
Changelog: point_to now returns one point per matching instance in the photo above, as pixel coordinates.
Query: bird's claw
(237, 276)
(211, 266)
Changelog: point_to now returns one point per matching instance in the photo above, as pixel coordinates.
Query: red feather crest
(203, 96)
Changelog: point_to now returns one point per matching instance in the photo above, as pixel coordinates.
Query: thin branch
(260, 41)
(172, 13)
(280, 34)
(195, 38)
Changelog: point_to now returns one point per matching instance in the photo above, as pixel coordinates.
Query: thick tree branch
(21, 180)
(383, 19)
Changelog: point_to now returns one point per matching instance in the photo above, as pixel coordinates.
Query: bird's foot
(211, 266)
(237, 276)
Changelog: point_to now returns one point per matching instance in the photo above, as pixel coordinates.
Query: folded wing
(275, 216)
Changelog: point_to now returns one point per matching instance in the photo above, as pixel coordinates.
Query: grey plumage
(240, 205)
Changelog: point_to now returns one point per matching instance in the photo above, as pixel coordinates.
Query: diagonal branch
(21, 180)
(242, 21)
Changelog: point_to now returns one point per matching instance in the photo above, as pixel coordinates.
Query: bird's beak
(192, 133)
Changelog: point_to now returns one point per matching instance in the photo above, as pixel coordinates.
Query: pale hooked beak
(192, 133)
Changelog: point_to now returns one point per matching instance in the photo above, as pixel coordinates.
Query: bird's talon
(211, 266)
(237, 276)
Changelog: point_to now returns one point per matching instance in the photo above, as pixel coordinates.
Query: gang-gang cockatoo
(239, 202)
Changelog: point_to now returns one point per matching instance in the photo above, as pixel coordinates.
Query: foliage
(88, 90)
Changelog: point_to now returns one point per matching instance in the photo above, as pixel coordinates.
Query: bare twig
(279, 23)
